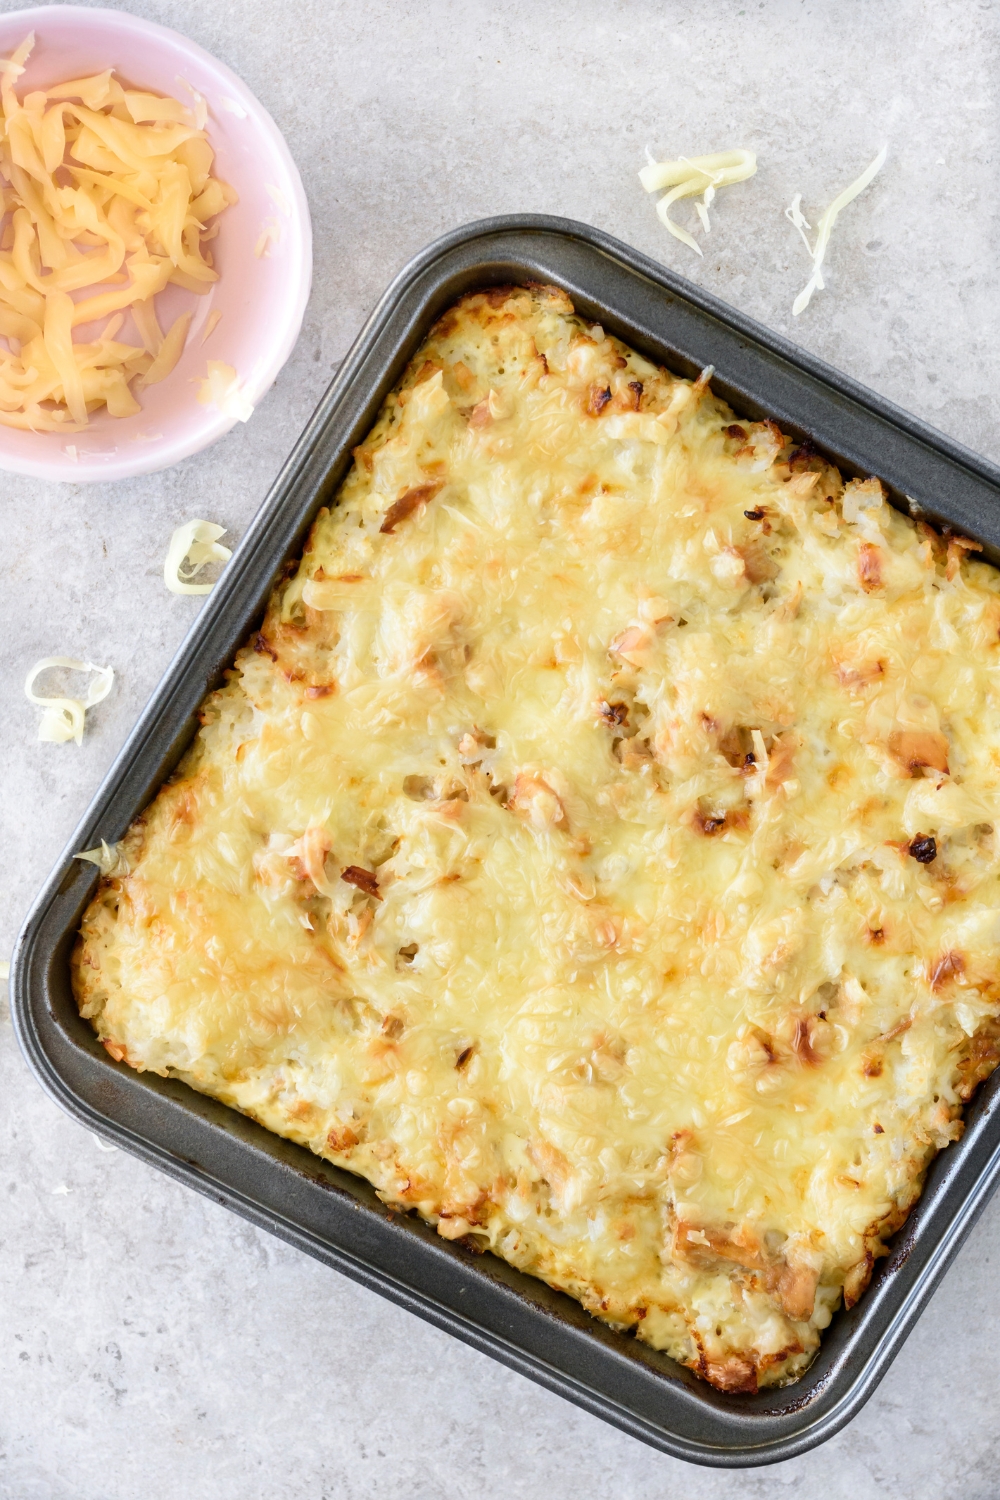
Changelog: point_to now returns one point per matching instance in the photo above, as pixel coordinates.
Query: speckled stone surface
(152, 1343)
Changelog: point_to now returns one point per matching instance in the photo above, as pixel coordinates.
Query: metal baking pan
(326, 1211)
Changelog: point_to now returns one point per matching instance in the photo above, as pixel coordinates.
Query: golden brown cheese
(595, 849)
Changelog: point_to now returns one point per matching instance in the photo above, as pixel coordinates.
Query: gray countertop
(152, 1343)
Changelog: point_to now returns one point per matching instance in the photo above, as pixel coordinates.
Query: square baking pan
(328, 1212)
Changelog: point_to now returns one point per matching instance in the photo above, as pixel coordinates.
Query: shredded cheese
(270, 234)
(214, 319)
(817, 253)
(192, 547)
(109, 858)
(279, 200)
(4, 969)
(107, 197)
(63, 719)
(222, 390)
(689, 176)
(795, 216)
(200, 107)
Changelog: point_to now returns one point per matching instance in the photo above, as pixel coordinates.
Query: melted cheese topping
(595, 847)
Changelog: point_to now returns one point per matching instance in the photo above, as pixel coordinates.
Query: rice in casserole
(595, 848)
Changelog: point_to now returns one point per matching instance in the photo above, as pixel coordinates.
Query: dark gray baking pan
(329, 1213)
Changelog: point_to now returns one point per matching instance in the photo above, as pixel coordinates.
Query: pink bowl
(262, 299)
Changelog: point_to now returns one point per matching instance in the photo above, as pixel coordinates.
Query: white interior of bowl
(262, 298)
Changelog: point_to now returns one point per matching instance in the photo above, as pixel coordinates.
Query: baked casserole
(595, 847)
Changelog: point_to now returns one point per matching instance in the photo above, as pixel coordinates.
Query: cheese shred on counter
(595, 849)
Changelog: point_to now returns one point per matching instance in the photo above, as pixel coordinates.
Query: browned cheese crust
(594, 849)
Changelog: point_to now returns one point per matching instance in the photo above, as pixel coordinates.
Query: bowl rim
(153, 456)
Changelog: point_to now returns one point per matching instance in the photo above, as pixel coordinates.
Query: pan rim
(742, 1436)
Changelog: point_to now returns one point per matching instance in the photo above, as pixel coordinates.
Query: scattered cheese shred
(689, 176)
(270, 234)
(795, 216)
(222, 390)
(279, 200)
(4, 969)
(214, 319)
(109, 858)
(192, 547)
(106, 197)
(200, 108)
(63, 718)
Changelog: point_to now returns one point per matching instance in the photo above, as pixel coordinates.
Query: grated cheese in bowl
(222, 389)
(251, 306)
(108, 198)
